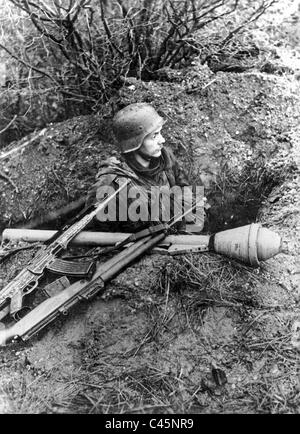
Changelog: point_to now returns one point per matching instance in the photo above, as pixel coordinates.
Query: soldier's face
(152, 144)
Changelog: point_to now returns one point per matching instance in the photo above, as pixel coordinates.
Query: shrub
(80, 51)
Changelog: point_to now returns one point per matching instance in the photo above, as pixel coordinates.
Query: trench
(234, 201)
(238, 196)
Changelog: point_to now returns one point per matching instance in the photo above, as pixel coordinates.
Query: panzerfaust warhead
(11, 296)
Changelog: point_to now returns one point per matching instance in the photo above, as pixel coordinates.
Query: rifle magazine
(72, 268)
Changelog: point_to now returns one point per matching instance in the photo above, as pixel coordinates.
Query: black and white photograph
(149, 210)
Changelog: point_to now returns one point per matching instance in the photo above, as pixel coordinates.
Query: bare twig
(40, 71)
(23, 145)
(10, 181)
(9, 124)
(5, 254)
(108, 32)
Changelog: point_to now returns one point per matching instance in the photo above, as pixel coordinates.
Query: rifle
(11, 296)
(61, 302)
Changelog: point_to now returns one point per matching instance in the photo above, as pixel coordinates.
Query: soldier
(144, 160)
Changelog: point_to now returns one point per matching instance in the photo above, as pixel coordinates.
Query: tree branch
(108, 32)
(14, 56)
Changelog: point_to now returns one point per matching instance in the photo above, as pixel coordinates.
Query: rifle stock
(43, 314)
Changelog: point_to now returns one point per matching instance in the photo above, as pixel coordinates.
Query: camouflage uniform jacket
(163, 171)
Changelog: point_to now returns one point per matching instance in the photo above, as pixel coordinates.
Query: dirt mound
(212, 119)
(52, 169)
(220, 339)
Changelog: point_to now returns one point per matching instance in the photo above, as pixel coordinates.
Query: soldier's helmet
(133, 123)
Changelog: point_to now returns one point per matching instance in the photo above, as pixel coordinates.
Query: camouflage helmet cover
(133, 123)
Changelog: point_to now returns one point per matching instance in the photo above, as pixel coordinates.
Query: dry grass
(260, 365)
(171, 366)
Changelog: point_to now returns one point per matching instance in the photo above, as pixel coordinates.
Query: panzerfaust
(11, 296)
